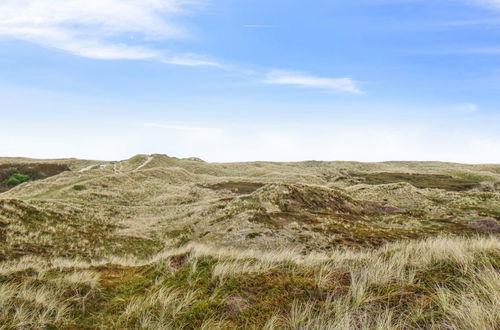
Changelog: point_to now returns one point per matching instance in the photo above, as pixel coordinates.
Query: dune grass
(157, 242)
(436, 283)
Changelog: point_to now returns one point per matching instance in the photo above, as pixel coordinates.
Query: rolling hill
(160, 242)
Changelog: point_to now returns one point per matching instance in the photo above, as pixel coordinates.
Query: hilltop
(161, 242)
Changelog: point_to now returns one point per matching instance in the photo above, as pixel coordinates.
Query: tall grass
(438, 283)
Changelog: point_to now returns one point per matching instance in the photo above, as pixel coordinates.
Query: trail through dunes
(146, 162)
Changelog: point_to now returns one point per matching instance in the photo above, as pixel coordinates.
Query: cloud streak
(305, 80)
(468, 107)
(257, 26)
(483, 51)
(97, 28)
(491, 3)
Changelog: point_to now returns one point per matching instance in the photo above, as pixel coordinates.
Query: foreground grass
(437, 283)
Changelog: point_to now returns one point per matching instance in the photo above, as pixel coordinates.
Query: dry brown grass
(437, 283)
(158, 242)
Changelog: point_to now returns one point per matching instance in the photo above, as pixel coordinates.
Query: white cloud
(301, 79)
(91, 28)
(483, 51)
(186, 128)
(257, 26)
(490, 3)
(125, 29)
(333, 139)
(471, 22)
(468, 107)
(192, 60)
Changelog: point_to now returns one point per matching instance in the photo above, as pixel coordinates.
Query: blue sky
(238, 80)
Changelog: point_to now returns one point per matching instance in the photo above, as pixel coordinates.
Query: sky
(247, 80)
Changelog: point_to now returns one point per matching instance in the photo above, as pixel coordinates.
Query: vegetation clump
(17, 178)
(13, 174)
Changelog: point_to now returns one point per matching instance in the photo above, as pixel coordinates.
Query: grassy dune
(437, 283)
(158, 242)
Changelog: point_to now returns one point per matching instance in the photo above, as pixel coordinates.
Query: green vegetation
(253, 235)
(441, 283)
(13, 174)
(156, 242)
(79, 187)
(17, 178)
(436, 181)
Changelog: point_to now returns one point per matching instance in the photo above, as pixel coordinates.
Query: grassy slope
(184, 243)
(437, 283)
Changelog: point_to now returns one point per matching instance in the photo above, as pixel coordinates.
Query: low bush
(79, 187)
(17, 178)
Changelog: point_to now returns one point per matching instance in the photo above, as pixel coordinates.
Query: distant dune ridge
(161, 242)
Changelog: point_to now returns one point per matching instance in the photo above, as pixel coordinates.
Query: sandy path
(88, 168)
(146, 162)
(117, 168)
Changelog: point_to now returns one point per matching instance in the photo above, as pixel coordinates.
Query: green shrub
(17, 178)
(79, 187)
(253, 235)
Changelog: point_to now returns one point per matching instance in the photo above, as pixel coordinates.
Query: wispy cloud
(192, 60)
(305, 80)
(471, 22)
(99, 29)
(127, 30)
(483, 51)
(185, 128)
(257, 26)
(187, 132)
(490, 3)
(468, 107)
